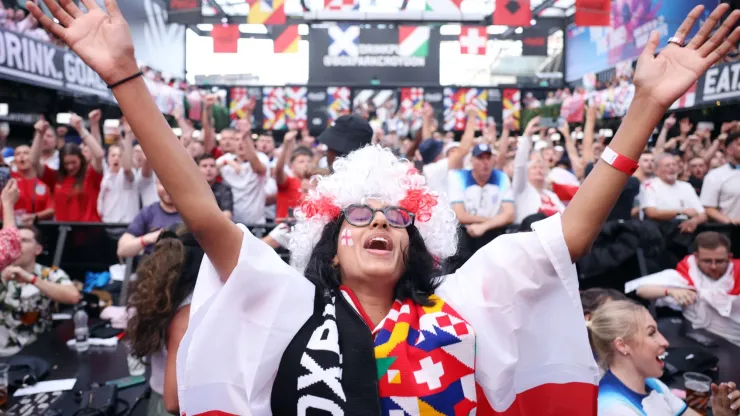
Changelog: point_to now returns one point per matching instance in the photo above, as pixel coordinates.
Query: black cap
(430, 149)
(731, 138)
(348, 133)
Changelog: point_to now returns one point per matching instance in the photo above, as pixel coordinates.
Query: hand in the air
(102, 39)
(95, 116)
(10, 193)
(667, 76)
(532, 126)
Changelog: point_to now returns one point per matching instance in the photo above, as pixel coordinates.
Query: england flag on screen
(345, 40)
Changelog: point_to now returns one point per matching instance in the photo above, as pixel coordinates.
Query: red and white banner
(473, 40)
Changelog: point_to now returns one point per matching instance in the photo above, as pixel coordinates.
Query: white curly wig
(373, 172)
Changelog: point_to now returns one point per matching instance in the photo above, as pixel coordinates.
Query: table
(674, 329)
(96, 365)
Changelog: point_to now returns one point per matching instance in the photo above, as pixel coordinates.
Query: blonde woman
(629, 347)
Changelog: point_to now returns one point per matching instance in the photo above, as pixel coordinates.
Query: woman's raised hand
(666, 77)
(102, 39)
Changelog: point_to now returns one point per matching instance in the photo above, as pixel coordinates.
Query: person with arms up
(528, 189)
(705, 285)
(28, 291)
(365, 249)
(118, 201)
(631, 349)
(245, 174)
(290, 186)
(76, 185)
(665, 198)
(144, 230)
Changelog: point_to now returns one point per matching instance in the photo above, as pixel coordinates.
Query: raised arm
(288, 146)
(209, 139)
(659, 81)
(98, 154)
(455, 161)
(103, 41)
(127, 152)
(521, 159)
(95, 116)
(589, 132)
(663, 135)
(38, 137)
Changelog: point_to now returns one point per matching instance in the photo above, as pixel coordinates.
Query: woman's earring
(335, 265)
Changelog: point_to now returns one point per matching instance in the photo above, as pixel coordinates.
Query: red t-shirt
(289, 196)
(75, 204)
(35, 195)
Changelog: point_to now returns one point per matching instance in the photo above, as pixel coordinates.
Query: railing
(91, 246)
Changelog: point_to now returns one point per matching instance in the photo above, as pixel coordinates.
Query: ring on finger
(677, 41)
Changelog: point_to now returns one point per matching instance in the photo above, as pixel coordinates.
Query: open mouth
(378, 244)
(661, 358)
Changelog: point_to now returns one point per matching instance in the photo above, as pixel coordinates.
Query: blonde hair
(612, 320)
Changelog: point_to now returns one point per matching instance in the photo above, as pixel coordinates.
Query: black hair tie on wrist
(125, 80)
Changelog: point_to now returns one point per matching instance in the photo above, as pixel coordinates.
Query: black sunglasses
(362, 215)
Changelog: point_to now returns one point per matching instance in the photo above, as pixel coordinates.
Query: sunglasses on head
(362, 215)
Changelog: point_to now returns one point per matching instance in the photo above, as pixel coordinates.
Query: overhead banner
(159, 44)
(456, 101)
(345, 55)
(327, 104)
(595, 49)
(719, 83)
(281, 105)
(187, 12)
(31, 61)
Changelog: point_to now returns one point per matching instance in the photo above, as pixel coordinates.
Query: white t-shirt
(658, 194)
(484, 201)
(52, 162)
(436, 175)
(721, 189)
(118, 201)
(249, 191)
(147, 188)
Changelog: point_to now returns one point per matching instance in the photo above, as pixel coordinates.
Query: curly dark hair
(165, 278)
(420, 278)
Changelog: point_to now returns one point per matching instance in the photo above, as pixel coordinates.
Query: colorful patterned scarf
(418, 361)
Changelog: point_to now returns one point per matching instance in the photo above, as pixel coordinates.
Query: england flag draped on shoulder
(717, 308)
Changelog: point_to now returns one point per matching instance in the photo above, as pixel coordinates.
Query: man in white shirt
(49, 152)
(720, 192)
(705, 286)
(118, 201)
(246, 175)
(665, 198)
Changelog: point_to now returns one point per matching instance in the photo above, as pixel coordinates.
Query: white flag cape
(519, 293)
(718, 306)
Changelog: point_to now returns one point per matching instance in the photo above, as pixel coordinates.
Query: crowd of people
(372, 219)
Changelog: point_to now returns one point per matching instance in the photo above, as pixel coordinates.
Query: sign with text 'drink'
(31, 61)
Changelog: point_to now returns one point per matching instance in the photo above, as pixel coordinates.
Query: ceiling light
(518, 31)
(496, 29)
(532, 22)
(448, 30)
(205, 27)
(303, 29)
(253, 29)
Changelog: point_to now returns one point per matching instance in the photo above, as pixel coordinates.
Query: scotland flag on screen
(345, 40)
